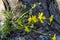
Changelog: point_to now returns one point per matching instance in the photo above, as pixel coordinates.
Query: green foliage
(8, 24)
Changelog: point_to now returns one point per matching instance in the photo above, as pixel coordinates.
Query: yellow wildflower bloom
(32, 19)
(41, 17)
(51, 18)
(34, 5)
(54, 37)
(27, 29)
(29, 19)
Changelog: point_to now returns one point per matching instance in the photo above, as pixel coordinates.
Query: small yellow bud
(34, 5)
(20, 23)
(27, 29)
(39, 3)
(54, 37)
(51, 18)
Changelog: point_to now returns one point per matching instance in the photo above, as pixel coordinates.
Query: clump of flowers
(24, 21)
(32, 19)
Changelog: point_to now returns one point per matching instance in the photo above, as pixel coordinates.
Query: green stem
(48, 35)
(28, 11)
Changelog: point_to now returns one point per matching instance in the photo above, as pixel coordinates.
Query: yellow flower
(34, 5)
(51, 18)
(27, 29)
(29, 19)
(32, 19)
(41, 17)
(54, 37)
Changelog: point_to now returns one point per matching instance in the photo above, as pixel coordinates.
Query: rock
(1, 8)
